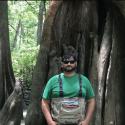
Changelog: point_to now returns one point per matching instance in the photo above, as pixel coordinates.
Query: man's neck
(69, 73)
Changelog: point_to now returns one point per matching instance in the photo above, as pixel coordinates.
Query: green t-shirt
(70, 87)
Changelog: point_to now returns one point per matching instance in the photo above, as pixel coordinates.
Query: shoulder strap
(60, 86)
(80, 86)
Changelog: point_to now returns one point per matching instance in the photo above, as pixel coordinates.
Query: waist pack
(68, 110)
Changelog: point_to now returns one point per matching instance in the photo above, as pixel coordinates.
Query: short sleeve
(89, 90)
(47, 91)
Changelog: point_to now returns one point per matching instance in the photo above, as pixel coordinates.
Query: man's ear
(62, 65)
(61, 68)
(76, 63)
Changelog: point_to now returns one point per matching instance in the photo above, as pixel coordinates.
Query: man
(68, 98)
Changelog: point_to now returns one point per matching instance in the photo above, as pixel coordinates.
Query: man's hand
(52, 123)
(84, 123)
(46, 111)
(89, 113)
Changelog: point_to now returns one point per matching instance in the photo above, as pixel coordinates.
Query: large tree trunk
(11, 110)
(6, 73)
(114, 99)
(96, 31)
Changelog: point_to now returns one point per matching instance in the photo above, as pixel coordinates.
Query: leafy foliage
(27, 12)
(25, 51)
(24, 61)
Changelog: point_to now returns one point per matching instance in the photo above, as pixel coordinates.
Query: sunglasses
(71, 62)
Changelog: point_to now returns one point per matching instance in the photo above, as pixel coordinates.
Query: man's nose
(69, 63)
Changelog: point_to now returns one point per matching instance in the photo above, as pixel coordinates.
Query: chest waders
(68, 110)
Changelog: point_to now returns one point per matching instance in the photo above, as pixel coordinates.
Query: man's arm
(45, 106)
(89, 112)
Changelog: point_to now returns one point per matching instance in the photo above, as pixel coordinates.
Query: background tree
(10, 103)
(41, 17)
(7, 79)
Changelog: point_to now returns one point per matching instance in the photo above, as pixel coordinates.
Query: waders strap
(80, 86)
(60, 86)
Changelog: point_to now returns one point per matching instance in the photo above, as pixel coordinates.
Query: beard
(69, 69)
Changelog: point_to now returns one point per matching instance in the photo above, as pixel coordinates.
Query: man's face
(69, 64)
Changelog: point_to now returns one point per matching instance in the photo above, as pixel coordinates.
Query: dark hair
(69, 51)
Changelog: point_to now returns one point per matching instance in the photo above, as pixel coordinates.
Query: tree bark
(103, 62)
(11, 113)
(114, 106)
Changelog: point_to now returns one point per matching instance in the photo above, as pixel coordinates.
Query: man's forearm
(90, 110)
(46, 111)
